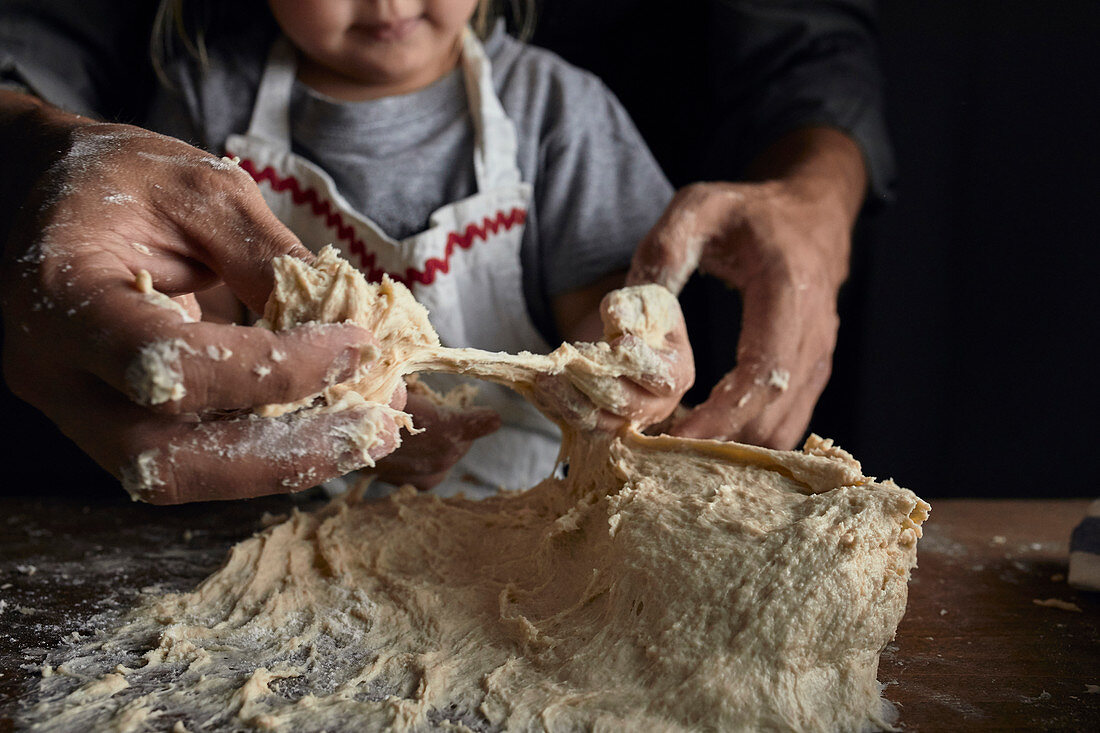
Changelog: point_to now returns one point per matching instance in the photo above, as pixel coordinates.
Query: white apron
(465, 268)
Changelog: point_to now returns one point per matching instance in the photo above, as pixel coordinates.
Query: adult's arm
(137, 381)
(711, 84)
(776, 66)
(784, 242)
(799, 139)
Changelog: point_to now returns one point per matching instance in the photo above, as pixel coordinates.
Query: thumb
(244, 258)
(670, 252)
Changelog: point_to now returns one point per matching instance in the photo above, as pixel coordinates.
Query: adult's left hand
(784, 243)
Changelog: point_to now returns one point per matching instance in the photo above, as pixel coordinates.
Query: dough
(331, 290)
(660, 584)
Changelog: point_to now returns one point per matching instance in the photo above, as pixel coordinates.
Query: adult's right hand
(783, 240)
(137, 381)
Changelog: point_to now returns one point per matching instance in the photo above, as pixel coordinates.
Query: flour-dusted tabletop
(975, 650)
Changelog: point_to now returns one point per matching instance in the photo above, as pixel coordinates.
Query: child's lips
(396, 30)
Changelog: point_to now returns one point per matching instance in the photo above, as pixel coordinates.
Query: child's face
(376, 42)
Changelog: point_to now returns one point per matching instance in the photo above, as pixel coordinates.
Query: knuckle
(822, 371)
(752, 433)
(147, 474)
(694, 192)
(155, 376)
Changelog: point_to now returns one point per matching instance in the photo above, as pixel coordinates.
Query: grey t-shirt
(597, 188)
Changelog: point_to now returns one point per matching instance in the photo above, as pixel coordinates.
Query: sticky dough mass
(662, 584)
(330, 290)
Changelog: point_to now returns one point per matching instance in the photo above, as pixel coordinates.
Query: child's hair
(181, 26)
(521, 13)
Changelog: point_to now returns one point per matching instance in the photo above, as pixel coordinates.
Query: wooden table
(974, 652)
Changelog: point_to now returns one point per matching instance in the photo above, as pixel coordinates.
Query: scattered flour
(1057, 603)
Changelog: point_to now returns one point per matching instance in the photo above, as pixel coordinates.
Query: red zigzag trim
(367, 259)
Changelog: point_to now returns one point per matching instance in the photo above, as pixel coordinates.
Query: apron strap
(495, 149)
(271, 112)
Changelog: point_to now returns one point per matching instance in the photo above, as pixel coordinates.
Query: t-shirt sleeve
(598, 191)
(90, 57)
(783, 64)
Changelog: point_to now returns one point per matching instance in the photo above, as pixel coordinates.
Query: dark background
(973, 368)
(965, 365)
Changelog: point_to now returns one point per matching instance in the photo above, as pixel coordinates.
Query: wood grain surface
(974, 652)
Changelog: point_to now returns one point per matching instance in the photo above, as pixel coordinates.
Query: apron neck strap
(271, 112)
(495, 148)
(494, 134)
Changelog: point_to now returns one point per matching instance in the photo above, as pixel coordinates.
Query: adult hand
(133, 377)
(425, 458)
(784, 244)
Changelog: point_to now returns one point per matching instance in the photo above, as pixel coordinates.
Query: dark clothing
(709, 83)
(711, 87)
